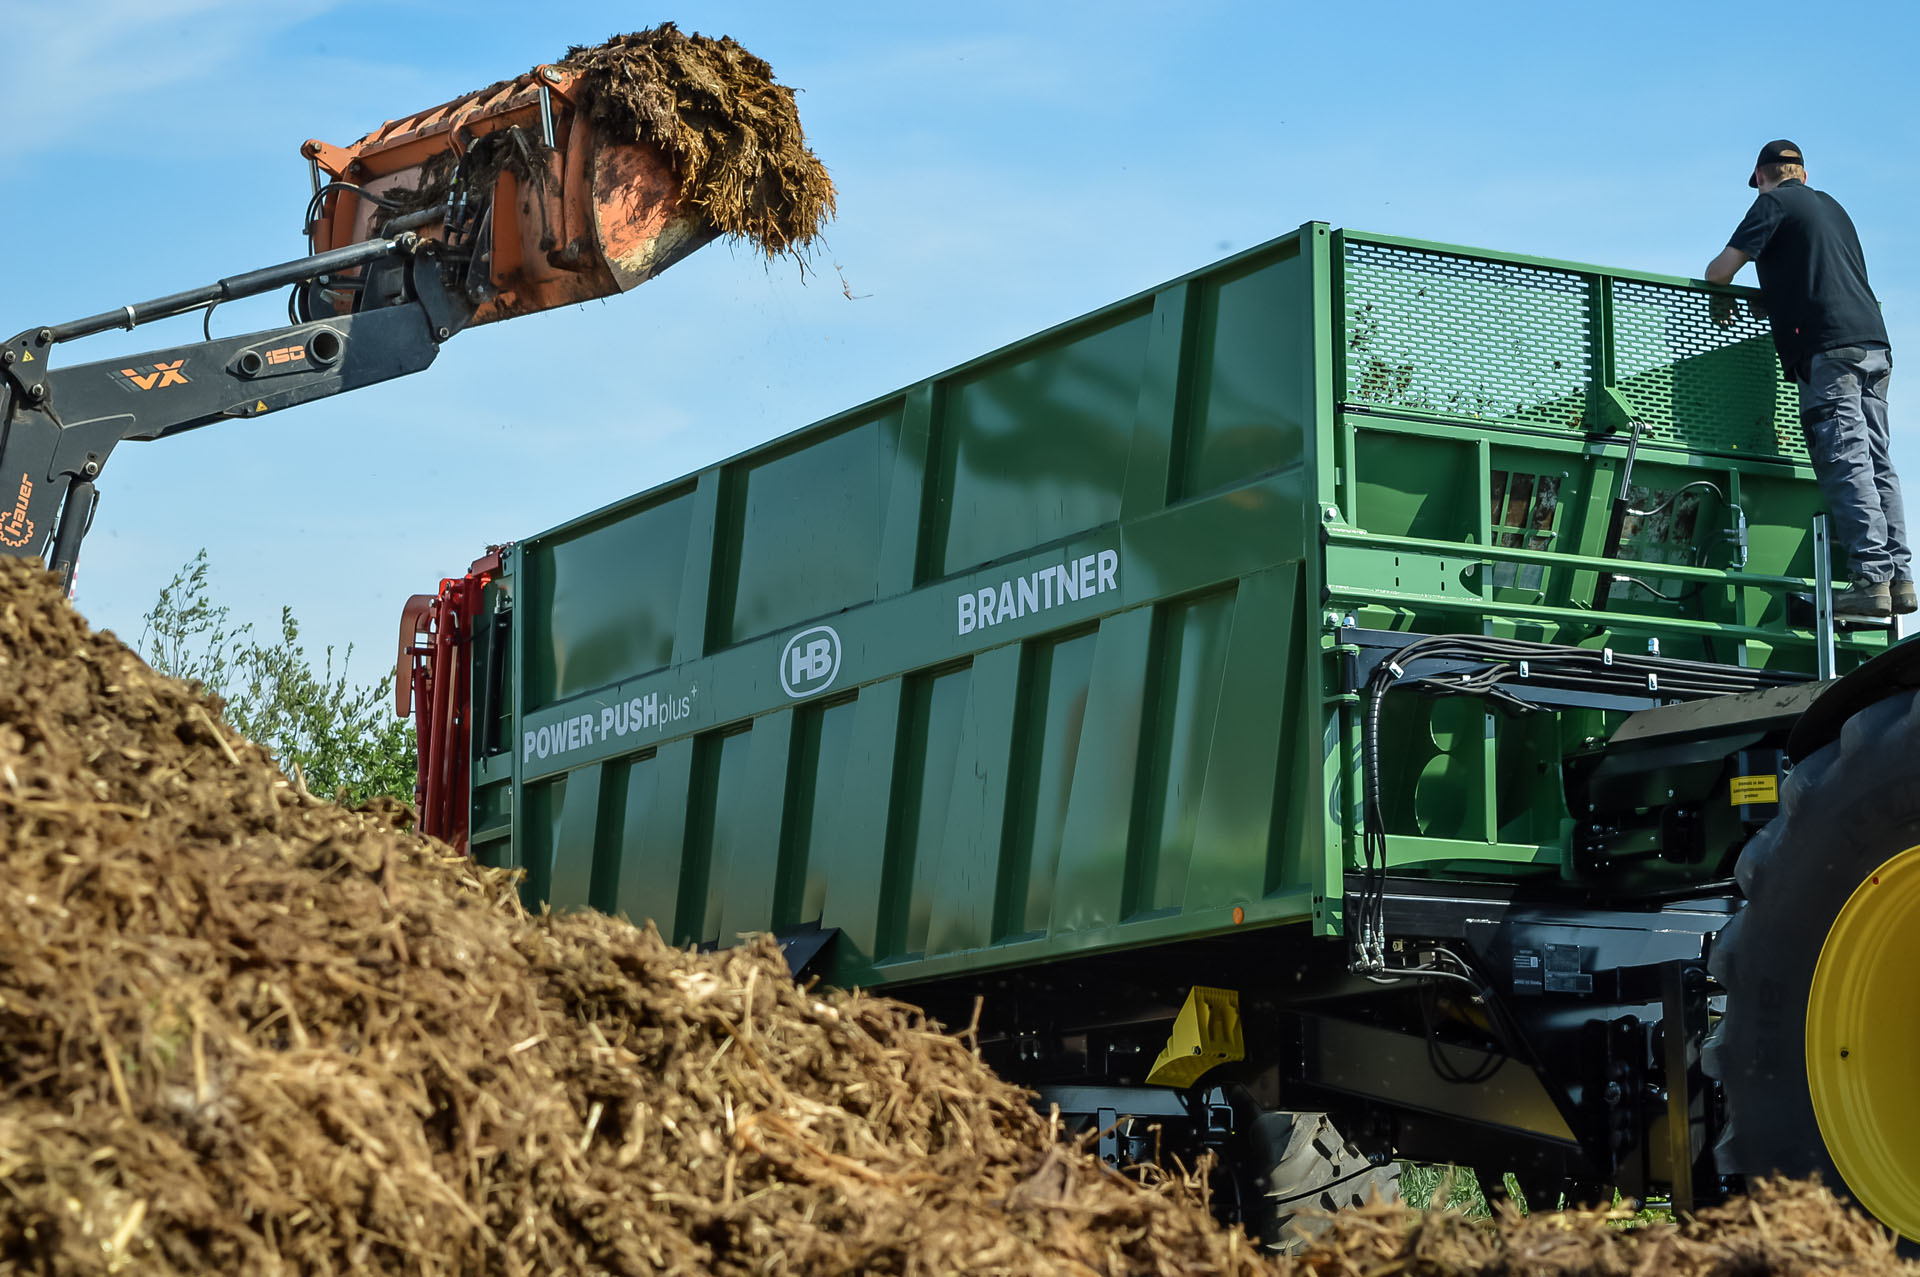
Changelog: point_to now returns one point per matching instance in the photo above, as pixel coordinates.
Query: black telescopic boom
(249, 284)
(58, 425)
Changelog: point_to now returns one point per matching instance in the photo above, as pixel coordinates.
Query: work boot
(1863, 600)
(1904, 600)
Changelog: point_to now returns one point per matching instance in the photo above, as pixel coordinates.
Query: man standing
(1833, 346)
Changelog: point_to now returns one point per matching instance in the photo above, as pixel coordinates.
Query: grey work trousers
(1843, 416)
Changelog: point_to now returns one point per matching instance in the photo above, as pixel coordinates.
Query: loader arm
(533, 193)
(59, 425)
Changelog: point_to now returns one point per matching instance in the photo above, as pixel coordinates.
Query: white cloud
(91, 56)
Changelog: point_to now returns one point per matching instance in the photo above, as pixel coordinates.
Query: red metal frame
(433, 683)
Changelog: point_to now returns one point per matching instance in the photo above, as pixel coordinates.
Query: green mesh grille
(1436, 332)
(1696, 383)
(1467, 338)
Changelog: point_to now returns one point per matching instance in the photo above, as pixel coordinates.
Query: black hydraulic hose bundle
(1492, 1060)
(1497, 664)
(1369, 930)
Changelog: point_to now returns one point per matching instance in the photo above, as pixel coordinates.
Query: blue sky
(1001, 167)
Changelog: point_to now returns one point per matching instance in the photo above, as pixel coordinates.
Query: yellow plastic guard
(1755, 789)
(1205, 1033)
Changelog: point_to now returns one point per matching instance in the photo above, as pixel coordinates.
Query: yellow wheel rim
(1863, 1043)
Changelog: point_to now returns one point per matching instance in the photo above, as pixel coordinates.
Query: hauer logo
(810, 662)
(16, 529)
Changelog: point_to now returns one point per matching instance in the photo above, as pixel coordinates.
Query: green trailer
(1356, 679)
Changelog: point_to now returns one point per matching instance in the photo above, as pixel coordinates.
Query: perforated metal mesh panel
(1694, 382)
(1436, 332)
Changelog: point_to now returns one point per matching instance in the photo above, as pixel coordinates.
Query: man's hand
(1724, 307)
(1723, 268)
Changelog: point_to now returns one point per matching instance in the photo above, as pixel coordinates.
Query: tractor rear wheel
(1821, 969)
(1299, 1165)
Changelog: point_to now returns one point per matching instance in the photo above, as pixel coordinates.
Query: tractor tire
(1821, 970)
(1298, 1167)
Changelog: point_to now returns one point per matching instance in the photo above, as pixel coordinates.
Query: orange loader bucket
(553, 211)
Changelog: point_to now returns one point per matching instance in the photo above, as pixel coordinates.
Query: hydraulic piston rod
(249, 284)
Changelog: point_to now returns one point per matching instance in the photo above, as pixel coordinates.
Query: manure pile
(245, 1031)
(1784, 1229)
(242, 1030)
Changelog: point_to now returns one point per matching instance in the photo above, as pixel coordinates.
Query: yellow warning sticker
(1755, 789)
(26, 356)
(261, 406)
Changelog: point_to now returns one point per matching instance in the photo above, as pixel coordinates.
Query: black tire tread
(1290, 1154)
(1843, 811)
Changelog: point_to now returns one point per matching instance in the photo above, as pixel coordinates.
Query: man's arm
(1723, 268)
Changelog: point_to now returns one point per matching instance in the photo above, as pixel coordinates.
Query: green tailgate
(1041, 655)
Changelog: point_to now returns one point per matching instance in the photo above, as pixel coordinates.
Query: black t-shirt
(1813, 276)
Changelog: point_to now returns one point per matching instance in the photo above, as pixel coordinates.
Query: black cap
(1778, 151)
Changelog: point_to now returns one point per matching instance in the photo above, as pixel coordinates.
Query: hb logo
(810, 662)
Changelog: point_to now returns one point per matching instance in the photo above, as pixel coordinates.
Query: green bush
(340, 735)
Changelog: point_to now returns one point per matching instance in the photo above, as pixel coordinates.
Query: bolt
(44, 336)
(91, 469)
(1844, 1053)
(551, 75)
(7, 358)
(1614, 1092)
(36, 392)
(444, 333)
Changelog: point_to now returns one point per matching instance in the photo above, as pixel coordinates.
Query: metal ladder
(1824, 626)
